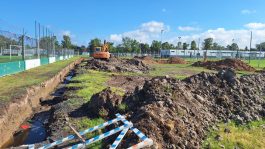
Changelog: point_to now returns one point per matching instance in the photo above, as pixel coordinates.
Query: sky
(224, 20)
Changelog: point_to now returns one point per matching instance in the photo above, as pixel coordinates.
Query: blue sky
(223, 20)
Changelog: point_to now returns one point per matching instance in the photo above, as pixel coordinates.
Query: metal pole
(161, 41)
(198, 47)
(10, 52)
(36, 37)
(23, 46)
(53, 45)
(39, 43)
(250, 47)
(46, 39)
(259, 55)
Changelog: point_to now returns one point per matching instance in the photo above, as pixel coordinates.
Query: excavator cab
(101, 52)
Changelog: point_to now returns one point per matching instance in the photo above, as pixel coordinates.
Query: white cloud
(247, 11)
(66, 32)
(225, 37)
(145, 33)
(188, 28)
(255, 25)
(152, 31)
(164, 10)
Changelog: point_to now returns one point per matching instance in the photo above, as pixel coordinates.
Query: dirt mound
(179, 113)
(223, 64)
(104, 103)
(173, 60)
(146, 59)
(118, 65)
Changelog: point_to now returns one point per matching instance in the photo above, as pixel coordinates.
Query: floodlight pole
(250, 47)
(23, 47)
(161, 41)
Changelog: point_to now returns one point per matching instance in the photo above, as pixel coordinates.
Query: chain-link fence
(19, 52)
(19, 46)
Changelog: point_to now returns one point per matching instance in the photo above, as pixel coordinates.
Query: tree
(179, 45)
(112, 48)
(261, 46)
(66, 42)
(246, 48)
(155, 46)
(216, 46)
(234, 46)
(130, 45)
(208, 44)
(167, 46)
(126, 43)
(185, 46)
(94, 43)
(193, 45)
(135, 45)
(145, 48)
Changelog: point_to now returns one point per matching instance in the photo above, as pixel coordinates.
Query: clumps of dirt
(118, 65)
(146, 59)
(173, 60)
(225, 63)
(104, 103)
(178, 113)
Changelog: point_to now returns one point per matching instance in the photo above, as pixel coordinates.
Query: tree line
(131, 45)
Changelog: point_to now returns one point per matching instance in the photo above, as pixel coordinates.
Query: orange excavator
(101, 52)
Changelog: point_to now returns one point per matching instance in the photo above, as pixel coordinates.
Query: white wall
(52, 59)
(32, 63)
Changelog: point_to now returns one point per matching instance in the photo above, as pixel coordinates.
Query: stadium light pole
(250, 43)
(161, 42)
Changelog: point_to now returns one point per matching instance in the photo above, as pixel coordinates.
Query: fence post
(23, 47)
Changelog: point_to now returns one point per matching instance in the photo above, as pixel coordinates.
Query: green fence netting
(57, 58)
(11, 67)
(44, 61)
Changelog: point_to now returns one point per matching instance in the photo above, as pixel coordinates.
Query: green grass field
(251, 135)
(15, 85)
(4, 59)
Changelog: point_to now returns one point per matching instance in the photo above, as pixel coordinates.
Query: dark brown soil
(146, 59)
(118, 65)
(173, 60)
(177, 113)
(223, 64)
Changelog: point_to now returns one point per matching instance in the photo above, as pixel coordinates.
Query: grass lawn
(15, 85)
(179, 71)
(4, 59)
(251, 135)
(258, 64)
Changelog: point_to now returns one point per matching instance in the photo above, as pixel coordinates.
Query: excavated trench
(34, 130)
(25, 121)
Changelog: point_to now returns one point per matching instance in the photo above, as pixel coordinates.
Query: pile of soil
(146, 59)
(173, 60)
(223, 64)
(178, 113)
(104, 103)
(118, 65)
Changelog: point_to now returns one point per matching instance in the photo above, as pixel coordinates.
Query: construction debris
(225, 63)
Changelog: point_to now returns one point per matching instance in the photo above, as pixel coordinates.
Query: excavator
(101, 52)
